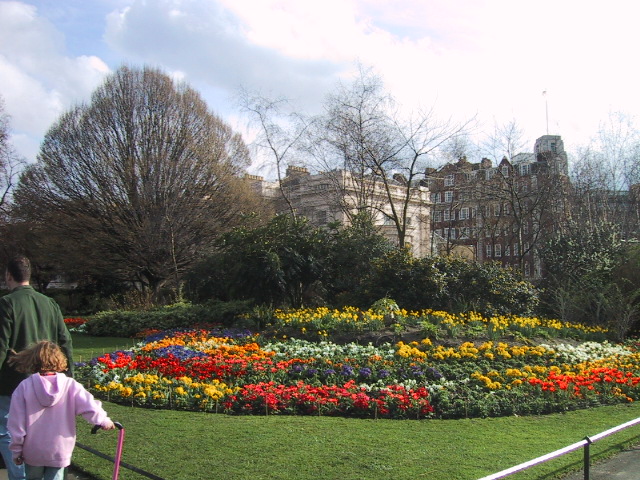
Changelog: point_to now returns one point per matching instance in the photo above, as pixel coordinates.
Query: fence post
(587, 459)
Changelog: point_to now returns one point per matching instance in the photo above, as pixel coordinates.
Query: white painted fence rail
(557, 453)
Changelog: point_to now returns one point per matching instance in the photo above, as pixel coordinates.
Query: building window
(506, 209)
(387, 220)
(447, 215)
(448, 180)
(525, 227)
(505, 171)
(448, 196)
(507, 251)
(527, 269)
(435, 197)
(488, 250)
(496, 210)
(498, 250)
(464, 232)
(437, 216)
(452, 232)
(464, 213)
(445, 233)
(524, 169)
(516, 249)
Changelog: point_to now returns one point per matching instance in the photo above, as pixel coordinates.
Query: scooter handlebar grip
(95, 428)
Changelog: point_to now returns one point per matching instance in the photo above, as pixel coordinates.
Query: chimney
(293, 171)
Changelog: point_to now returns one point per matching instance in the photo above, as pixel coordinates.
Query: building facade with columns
(335, 197)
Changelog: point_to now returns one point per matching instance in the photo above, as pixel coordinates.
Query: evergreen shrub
(127, 323)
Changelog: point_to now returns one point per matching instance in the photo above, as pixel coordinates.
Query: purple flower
(178, 351)
(365, 372)
(347, 370)
(296, 369)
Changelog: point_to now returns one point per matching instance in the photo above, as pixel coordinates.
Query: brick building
(501, 212)
(479, 211)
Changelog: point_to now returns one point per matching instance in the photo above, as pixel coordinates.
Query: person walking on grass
(26, 317)
(42, 417)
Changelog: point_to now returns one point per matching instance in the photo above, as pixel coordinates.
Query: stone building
(335, 196)
(478, 211)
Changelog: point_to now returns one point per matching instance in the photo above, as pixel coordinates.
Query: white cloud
(493, 57)
(38, 81)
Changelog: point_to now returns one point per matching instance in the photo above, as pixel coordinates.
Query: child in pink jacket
(42, 416)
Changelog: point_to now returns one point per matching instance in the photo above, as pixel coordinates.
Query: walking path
(623, 466)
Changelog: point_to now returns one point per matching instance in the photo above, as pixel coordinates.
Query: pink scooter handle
(118, 457)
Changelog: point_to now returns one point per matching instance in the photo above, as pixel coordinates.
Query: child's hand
(108, 425)
(18, 460)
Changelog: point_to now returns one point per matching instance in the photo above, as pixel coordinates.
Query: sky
(492, 59)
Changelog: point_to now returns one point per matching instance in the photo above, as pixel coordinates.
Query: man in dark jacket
(26, 317)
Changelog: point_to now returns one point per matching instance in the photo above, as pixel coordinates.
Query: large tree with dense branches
(139, 181)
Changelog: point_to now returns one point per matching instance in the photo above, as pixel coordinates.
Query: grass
(178, 445)
(86, 347)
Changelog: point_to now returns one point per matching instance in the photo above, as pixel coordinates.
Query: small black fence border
(562, 451)
(122, 464)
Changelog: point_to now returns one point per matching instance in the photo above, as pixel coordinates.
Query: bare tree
(506, 141)
(502, 208)
(605, 176)
(280, 132)
(143, 177)
(384, 152)
(10, 163)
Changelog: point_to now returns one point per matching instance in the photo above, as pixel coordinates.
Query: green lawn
(86, 347)
(178, 445)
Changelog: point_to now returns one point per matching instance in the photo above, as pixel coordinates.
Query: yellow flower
(126, 391)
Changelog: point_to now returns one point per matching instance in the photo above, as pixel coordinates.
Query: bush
(127, 323)
(449, 283)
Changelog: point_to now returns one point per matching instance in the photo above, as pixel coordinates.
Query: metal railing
(557, 453)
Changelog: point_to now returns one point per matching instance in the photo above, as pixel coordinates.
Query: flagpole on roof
(546, 108)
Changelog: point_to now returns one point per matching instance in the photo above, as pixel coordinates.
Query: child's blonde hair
(44, 356)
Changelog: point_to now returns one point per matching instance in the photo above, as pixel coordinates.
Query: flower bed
(319, 323)
(75, 324)
(241, 373)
